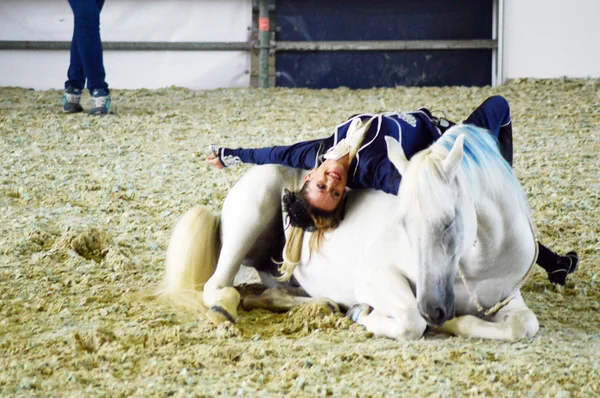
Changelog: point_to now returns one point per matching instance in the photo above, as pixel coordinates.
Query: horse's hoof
(357, 310)
(218, 315)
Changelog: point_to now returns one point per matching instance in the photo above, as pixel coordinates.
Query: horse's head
(435, 211)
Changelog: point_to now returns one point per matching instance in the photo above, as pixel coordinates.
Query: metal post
(500, 41)
(263, 39)
(495, 37)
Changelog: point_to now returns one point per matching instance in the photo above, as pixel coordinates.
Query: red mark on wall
(263, 24)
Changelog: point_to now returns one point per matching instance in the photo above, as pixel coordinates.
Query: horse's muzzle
(435, 314)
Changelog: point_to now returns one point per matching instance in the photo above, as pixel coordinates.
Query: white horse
(460, 211)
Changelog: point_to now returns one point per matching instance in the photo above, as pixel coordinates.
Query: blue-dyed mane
(482, 157)
(482, 169)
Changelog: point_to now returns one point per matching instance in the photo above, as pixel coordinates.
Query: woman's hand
(214, 161)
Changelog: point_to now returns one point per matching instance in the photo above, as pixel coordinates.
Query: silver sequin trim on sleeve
(230, 160)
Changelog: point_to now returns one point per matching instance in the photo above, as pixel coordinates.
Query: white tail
(191, 258)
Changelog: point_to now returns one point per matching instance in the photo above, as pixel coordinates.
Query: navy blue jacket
(371, 168)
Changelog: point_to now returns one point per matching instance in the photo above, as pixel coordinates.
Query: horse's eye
(447, 227)
(448, 235)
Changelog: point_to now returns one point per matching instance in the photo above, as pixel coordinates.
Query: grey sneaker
(71, 100)
(100, 102)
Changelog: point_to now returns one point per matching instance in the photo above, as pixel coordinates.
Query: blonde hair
(324, 221)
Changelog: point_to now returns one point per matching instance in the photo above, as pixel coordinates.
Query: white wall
(131, 20)
(551, 38)
(542, 39)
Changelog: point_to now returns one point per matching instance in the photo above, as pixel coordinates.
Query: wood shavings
(88, 205)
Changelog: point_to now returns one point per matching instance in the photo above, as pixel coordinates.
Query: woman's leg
(86, 37)
(494, 114)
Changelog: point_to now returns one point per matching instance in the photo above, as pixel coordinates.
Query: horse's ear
(396, 154)
(450, 164)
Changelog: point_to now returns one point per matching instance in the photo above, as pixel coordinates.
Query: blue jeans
(86, 47)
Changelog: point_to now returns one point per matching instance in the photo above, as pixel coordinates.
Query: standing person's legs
(87, 38)
(494, 114)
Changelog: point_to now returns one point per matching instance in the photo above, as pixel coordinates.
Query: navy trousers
(494, 115)
(86, 47)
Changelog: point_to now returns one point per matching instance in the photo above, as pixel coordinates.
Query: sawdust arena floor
(88, 203)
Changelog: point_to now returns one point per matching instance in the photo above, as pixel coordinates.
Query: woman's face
(326, 185)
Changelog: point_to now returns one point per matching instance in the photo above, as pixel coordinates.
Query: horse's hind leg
(219, 294)
(252, 208)
(282, 299)
(513, 322)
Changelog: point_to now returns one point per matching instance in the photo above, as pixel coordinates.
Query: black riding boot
(557, 267)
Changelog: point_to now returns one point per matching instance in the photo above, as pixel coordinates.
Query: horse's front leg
(392, 307)
(513, 322)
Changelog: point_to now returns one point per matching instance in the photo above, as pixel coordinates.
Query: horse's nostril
(438, 316)
(434, 314)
